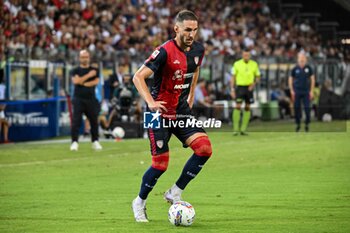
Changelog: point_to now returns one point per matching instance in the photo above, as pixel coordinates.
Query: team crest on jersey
(155, 54)
(196, 60)
(160, 143)
(178, 74)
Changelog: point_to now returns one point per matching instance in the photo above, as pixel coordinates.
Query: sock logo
(191, 174)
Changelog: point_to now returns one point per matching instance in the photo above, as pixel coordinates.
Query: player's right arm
(232, 82)
(154, 63)
(77, 80)
(139, 80)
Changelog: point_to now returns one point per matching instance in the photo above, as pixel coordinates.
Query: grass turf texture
(266, 182)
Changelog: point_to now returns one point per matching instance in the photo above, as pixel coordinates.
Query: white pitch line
(109, 155)
(40, 162)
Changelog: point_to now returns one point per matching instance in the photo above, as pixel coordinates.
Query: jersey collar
(174, 41)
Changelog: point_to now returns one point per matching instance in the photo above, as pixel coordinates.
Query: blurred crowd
(59, 28)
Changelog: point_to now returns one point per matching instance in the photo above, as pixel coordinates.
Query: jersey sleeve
(311, 71)
(157, 59)
(73, 72)
(292, 73)
(234, 70)
(201, 57)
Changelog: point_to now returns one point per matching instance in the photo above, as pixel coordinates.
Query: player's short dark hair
(185, 15)
(246, 50)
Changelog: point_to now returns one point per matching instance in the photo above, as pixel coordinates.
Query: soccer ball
(327, 117)
(118, 132)
(181, 214)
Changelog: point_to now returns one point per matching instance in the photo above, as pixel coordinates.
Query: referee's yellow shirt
(245, 73)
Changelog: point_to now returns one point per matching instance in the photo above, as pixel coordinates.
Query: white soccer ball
(181, 214)
(118, 132)
(327, 117)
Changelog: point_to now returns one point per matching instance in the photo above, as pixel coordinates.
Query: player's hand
(76, 80)
(92, 73)
(311, 95)
(233, 94)
(157, 106)
(292, 95)
(190, 104)
(251, 87)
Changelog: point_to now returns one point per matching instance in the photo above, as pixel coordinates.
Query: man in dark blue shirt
(301, 85)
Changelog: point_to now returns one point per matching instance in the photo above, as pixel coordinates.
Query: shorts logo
(160, 143)
(196, 60)
(151, 120)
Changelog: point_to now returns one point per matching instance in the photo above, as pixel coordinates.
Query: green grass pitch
(265, 182)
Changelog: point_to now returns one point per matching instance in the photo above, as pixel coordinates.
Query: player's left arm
(190, 98)
(257, 76)
(91, 83)
(81, 80)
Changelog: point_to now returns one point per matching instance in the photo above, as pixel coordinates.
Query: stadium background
(274, 180)
(41, 40)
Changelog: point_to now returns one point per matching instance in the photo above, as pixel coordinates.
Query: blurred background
(40, 41)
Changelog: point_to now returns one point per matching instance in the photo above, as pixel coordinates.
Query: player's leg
(306, 103)
(248, 99)
(160, 158)
(236, 117)
(77, 119)
(5, 129)
(92, 110)
(199, 142)
(297, 111)
(246, 118)
(236, 114)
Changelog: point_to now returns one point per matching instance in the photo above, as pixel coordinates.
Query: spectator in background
(202, 101)
(330, 102)
(316, 98)
(59, 29)
(284, 104)
(124, 102)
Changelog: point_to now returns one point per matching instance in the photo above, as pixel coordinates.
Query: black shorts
(243, 94)
(159, 138)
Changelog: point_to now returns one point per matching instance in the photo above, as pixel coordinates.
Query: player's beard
(187, 42)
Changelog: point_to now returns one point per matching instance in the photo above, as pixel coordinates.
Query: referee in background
(84, 101)
(301, 84)
(245, 75)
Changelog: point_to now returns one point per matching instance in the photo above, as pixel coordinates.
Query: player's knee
(201, 146)
(160, 161)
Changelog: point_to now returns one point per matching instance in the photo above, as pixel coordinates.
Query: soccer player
(301, 85)
(175, 66)
(245, 75)
(85, 79)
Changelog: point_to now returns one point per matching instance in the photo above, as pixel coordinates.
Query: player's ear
(176, 28)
